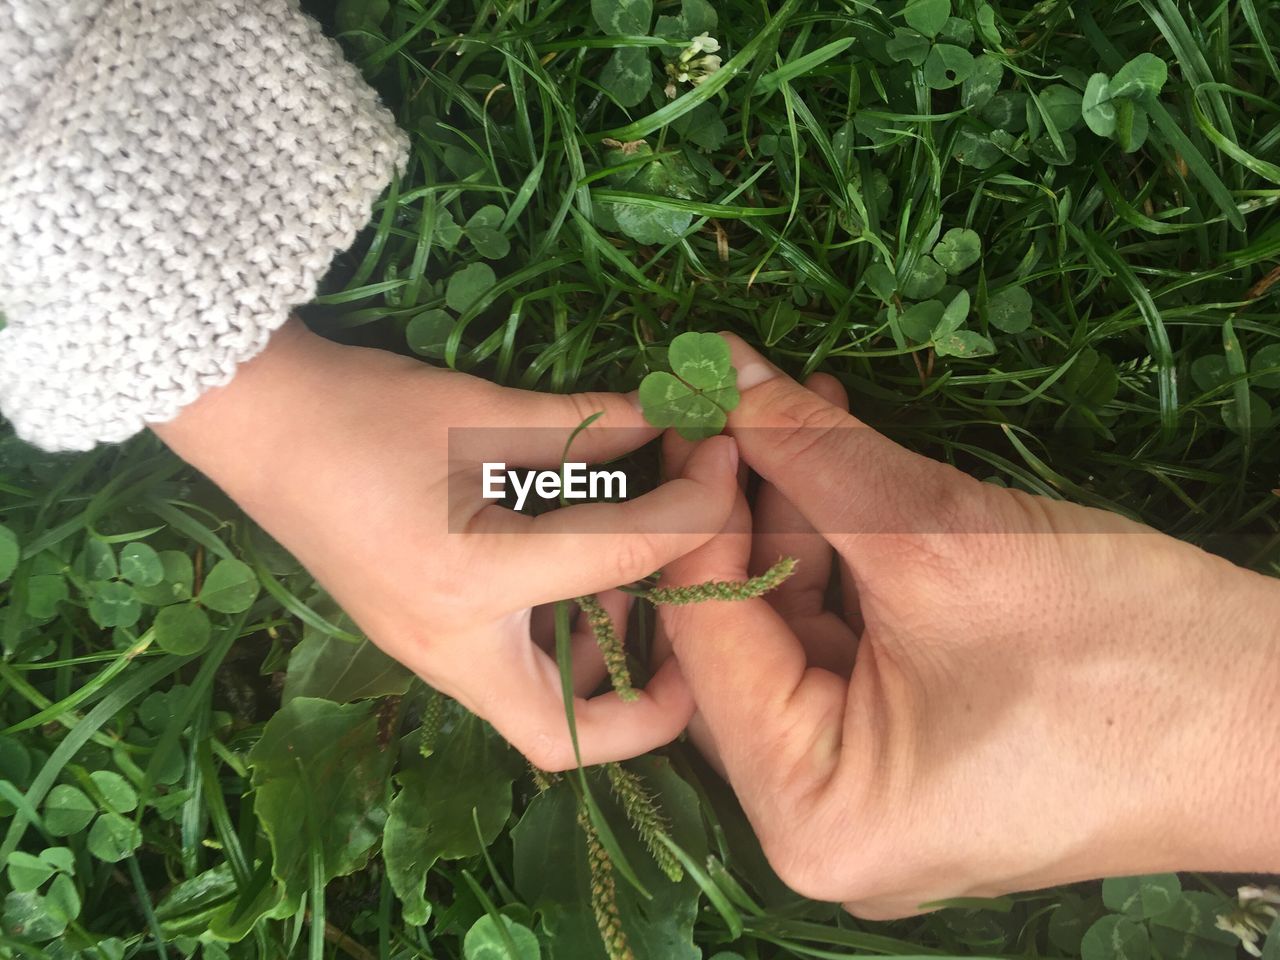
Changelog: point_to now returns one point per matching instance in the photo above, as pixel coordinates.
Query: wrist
(278, 414)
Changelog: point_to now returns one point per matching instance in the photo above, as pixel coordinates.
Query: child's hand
(342, 454)
(1019, 692)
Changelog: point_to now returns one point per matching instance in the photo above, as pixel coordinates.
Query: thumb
(842, 475)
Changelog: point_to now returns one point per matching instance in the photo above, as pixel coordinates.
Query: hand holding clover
(1018, 692)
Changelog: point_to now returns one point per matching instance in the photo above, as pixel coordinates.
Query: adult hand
(343, 455)
(1019, 692)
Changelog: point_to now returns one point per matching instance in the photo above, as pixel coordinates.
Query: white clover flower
(695, 64)
(1248, 936)
(702, 43)
(1262, 899)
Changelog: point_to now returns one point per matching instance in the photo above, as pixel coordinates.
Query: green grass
(795, 197)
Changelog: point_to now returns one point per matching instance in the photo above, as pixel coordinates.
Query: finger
(676, 451)
(530, 429)
(769, 715)
(781, 530)
(524, 701)
(599, 546)
(842, 475)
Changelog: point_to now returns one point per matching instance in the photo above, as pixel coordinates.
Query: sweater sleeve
(175, 177)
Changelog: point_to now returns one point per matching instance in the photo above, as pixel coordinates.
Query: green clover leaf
(699, 393)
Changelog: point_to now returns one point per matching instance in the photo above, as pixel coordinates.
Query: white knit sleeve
(177, 181)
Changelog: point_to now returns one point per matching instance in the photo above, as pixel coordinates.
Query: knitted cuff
(184, 183)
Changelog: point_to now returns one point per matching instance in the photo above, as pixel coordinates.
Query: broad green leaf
(987, 28)
(1259, 415)
(1006, 111)
(918, 320)
(230, 587)
(1062, 105)
(1131, 125)
(60, 858)
(428, 332)
(468, 285)
(1048, 151)
(1143, 76)
(697, 398)
(99, 560)
(490, 216)
(27, 872)
(1068, 922)
(9, 552)
(44, 593)
(548, 833)
(983, 81)
(1096, 107)
(141, 565)
(67, 810)
(1010, 310)
(320, 771)
(182, 629)
(484, 230)
(927, 16)
(963, 343)
(15, 761)
(447, 233)
(1210, 371)
(484, 942)
(1141, 897)
(925, 280)
(1115, 938)
(335, 669)
(1092, 379)
(701, 360)
(62, 898)
(697, 17)
(175, 585)
(431, 818)
(954, 316)
(1188, 929)
(113, 837)
(117, 793)
(32, 917)
(1268, 358)
(114, 604)
(628, 76)
(947, 66)
(490, 244)
(881, 281)
(958, 250)
(161, 707)
(623, 17)
(958, 31)
(649, 224)
(908, 45)
(778, 321)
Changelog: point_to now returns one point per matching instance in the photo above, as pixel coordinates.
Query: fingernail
(755, 372)
(733, 455)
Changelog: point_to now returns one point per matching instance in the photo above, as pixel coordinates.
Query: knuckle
(585, 405)
(634, 557)
(548, 752)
